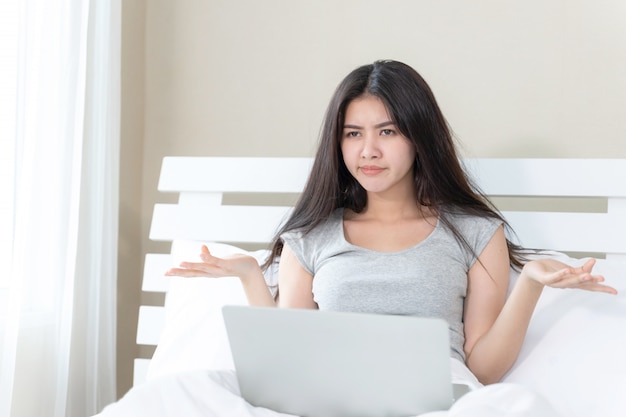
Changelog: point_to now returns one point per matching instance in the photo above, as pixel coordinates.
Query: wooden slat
(549, 177)
(204, 198)
(617, 205)
(497, 176)
(575, 232)
(224, 174)
(140, 370)
(579, 231)
(154, 269)
(150, 325)
(216, 223)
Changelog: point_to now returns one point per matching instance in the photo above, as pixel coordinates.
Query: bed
(574, 353)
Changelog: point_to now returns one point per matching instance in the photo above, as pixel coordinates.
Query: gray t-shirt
(426, 280)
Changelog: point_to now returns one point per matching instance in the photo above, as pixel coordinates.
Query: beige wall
(541, 78)
(130, 251)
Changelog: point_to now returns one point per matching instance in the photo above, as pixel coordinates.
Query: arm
(295, 284)
(495, 326)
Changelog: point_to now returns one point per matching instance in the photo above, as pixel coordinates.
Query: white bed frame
(203, 214)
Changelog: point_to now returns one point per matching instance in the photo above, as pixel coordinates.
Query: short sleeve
(477, 231)
(300, 248)
(313, 247)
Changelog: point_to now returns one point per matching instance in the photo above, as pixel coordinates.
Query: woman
(389, 223)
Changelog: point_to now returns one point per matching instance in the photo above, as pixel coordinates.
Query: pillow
(574, 351)
(194, 336)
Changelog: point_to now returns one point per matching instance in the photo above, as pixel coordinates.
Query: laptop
(313, 363)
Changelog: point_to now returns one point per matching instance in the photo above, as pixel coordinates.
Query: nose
(370, 149)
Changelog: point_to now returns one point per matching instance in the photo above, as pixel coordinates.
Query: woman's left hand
(238, 265)
(553, 273)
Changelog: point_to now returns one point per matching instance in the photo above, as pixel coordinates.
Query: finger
(588, 266)
(201, 266)
(584, 281)
(206, 255)
(184, 268)
(180, 272)
(593, 279)
(572, 278)
(188, 273)
(595, 287)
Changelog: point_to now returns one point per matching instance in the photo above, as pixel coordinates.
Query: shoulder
(472, 231)
(467, 222)
(310, 247)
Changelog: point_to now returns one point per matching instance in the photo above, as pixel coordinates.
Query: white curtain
(57, 352)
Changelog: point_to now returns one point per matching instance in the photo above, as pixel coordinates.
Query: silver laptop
(314, 363)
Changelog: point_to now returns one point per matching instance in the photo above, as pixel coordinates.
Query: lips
(371, 170)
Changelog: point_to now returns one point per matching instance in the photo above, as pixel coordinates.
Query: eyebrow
(378, 126)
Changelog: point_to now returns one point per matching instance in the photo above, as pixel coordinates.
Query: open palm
(553, 273)
(214, 267)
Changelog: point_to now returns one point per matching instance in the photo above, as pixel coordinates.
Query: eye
(387, 132)
(352, 134)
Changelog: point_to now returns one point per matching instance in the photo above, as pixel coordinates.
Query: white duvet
(215, 393)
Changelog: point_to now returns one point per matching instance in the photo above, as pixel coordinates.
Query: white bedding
(572, 364)
(215, 393)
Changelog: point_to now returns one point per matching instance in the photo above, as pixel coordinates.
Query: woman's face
(377, 155)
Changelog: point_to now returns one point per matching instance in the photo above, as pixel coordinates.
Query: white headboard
(203, 211)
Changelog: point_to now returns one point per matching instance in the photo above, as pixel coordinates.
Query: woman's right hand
(238, 265)
(553, 273)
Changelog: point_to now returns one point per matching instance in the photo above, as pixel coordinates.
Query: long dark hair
(440, 181)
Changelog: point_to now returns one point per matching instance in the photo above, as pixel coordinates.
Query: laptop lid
(315, 363)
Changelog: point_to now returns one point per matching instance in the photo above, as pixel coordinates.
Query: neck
(389, 209)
